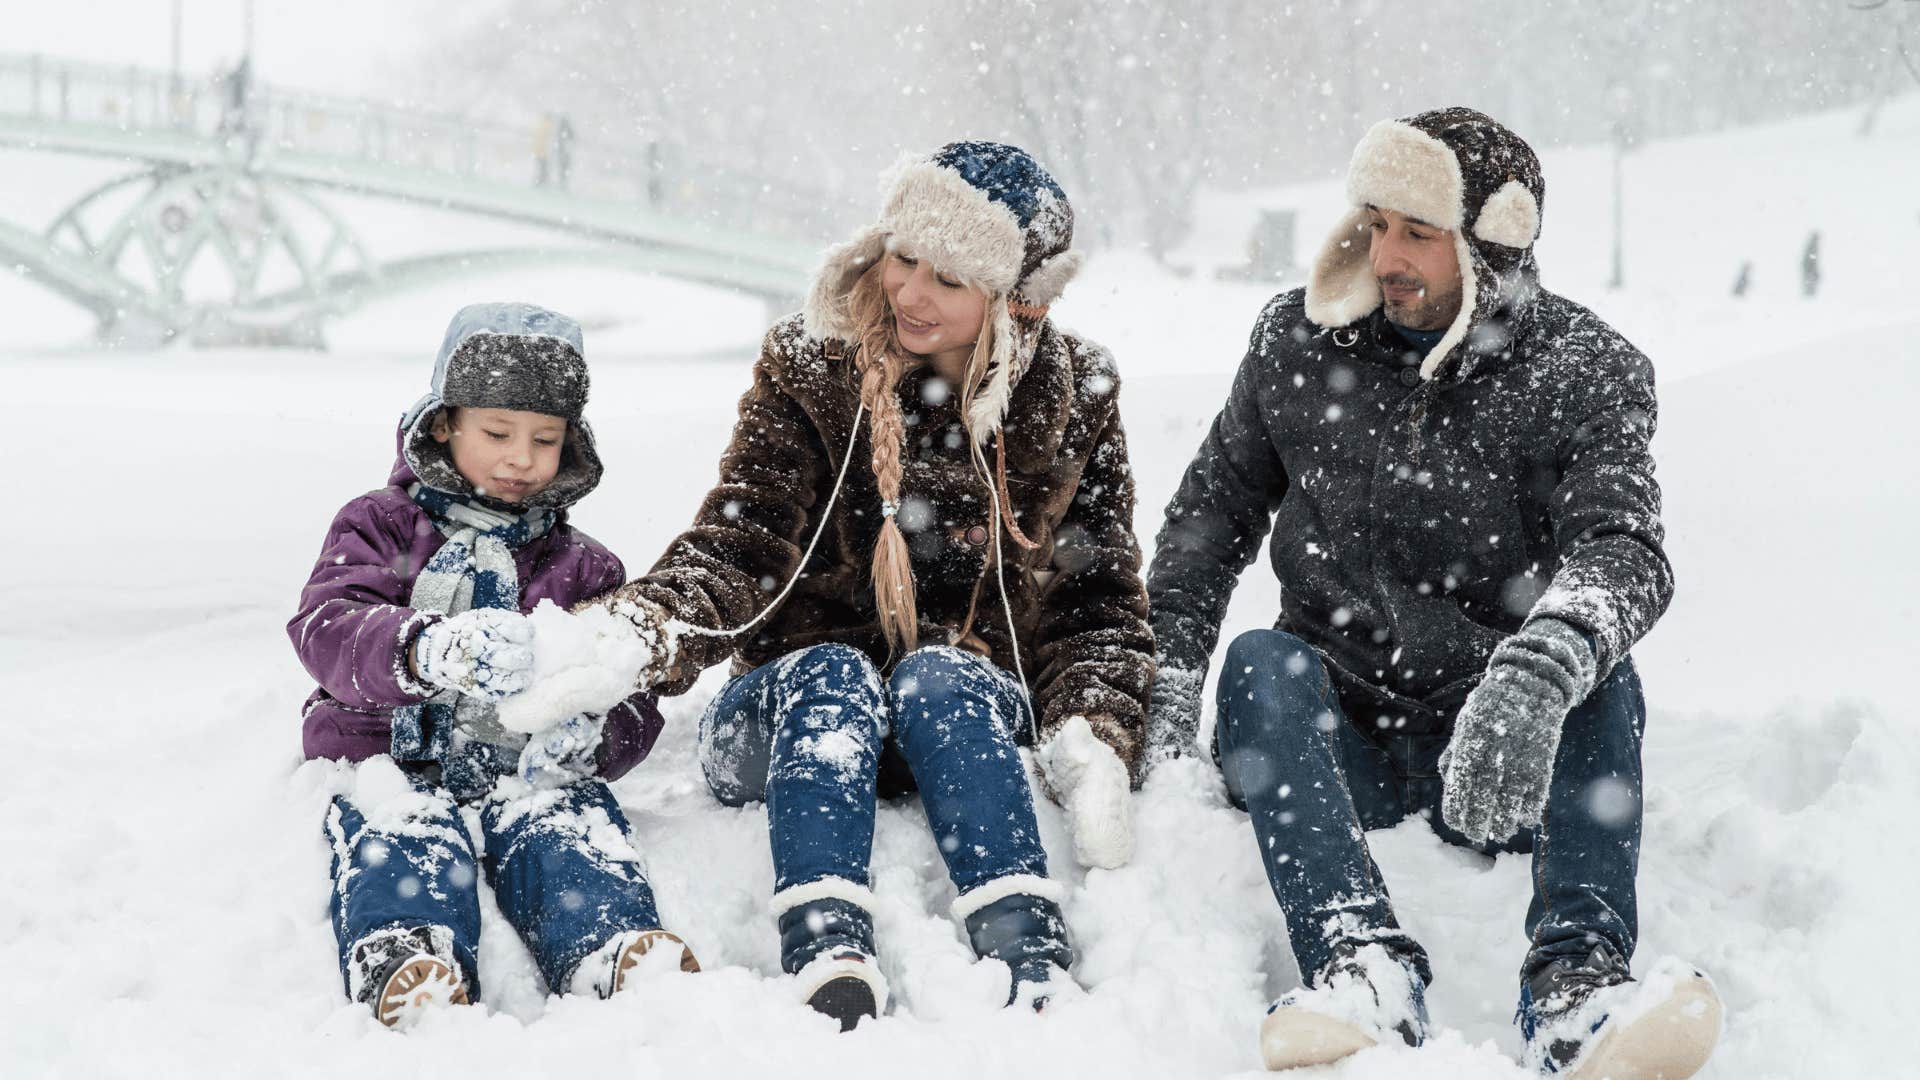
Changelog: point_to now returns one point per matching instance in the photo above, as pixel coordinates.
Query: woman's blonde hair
(879, 361)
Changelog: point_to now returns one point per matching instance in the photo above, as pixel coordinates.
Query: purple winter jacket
(354, 627)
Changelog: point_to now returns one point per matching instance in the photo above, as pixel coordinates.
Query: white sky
(349, 47)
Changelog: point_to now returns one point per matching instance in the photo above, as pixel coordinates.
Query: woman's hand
(1090, 782)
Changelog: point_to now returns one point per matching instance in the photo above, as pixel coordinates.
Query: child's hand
(484, 653)
(563, 753)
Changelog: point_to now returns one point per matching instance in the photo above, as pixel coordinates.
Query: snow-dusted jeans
(561, 864)
(1313, 785)
(807, 733)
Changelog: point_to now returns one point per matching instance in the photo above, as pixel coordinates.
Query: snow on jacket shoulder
(354, 625)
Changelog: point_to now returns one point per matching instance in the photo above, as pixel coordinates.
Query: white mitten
(1092, 785)
(484, 653)
(563, 753)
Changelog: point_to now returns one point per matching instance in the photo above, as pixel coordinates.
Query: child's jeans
(807, 733)
(561, 863)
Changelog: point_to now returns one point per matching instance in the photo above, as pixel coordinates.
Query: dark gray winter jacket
(1418, 522)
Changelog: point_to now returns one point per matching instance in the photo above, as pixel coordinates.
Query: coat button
(977, 536)
(1409, 377)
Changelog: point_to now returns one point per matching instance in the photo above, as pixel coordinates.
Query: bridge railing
(248, 118)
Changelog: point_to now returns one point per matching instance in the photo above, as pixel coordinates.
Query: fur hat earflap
(1454, 169)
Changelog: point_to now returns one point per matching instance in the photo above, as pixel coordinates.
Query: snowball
(584, 663)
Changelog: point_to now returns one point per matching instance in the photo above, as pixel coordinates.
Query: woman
(976, 589)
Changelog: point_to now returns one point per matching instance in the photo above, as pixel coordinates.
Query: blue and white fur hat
(986, 214)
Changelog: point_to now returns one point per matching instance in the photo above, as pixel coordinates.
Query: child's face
(507, 454)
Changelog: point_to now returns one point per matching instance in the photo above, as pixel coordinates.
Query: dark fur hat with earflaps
(986, 214)
(1454, 169)
(508, 356)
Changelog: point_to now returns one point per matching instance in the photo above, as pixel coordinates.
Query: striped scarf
(473, 569)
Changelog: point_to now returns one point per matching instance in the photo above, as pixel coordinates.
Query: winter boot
(608, 969)
(826, 943)
(1590, 1020)
(1025, 931)
(401, 972)
(1364, 997)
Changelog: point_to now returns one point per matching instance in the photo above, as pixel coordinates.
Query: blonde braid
(880, 363)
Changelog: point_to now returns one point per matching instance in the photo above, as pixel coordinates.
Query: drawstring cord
(679, 627)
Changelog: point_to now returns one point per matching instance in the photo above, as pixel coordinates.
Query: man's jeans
(563, 880)
(807, 733)
(1313, 783)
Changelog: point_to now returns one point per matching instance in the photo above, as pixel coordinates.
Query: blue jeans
(1313, 783)
(414, 865)
(808, 733)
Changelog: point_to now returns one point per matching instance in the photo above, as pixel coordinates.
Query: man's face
(1417, 268)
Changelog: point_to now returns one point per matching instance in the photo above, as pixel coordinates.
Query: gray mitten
(1500, 761)
(1173, 714)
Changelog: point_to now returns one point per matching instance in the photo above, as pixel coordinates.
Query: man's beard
(1430, 312)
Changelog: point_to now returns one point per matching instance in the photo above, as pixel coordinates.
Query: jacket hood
(506, 356)
(1455, 169)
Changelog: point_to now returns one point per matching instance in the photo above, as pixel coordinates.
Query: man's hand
(484, 653)
(1092, 785)
(1497, 768)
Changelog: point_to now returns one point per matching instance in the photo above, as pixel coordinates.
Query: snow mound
(582, 663)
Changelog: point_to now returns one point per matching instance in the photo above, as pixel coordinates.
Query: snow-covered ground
(163, 909)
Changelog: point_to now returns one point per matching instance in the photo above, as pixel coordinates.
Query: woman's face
(934, 316)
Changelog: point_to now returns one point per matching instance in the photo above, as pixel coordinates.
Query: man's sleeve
(1614, 579)
(1214, 524)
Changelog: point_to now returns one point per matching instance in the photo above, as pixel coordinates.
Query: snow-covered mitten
(1091, 784)
(656, 630)
(1499, 763)
(1365, 997)
(484, 653)
(1173, 715)
(1590, 1020)
(563, 753)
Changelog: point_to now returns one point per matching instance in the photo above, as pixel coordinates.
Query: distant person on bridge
(1455, 466)
(412, 623)
(919, 557)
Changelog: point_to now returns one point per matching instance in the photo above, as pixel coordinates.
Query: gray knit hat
(508, 356)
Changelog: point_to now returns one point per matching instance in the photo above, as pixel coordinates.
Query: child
(412, 623)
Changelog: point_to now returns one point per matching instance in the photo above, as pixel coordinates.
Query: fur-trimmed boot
(1017, 921)
(826, 944)
(1365, 997)
(1591, 1020)
(607, 970)
(401, 972)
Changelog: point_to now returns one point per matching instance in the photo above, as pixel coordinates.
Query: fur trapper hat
(986, 214)
(1454, 169)
(508, 356)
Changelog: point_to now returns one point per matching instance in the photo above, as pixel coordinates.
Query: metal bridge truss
(218, 236)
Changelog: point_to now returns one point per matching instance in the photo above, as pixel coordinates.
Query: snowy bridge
(221, 231)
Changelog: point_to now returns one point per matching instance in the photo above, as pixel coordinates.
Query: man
(1454, 463)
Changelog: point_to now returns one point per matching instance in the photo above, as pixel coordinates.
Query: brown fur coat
(1077, 600)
